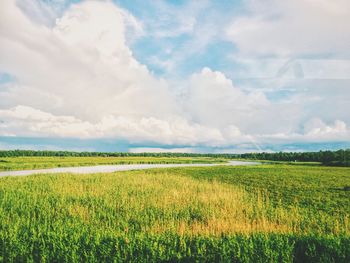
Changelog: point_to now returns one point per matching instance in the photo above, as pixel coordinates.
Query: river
(115, 168)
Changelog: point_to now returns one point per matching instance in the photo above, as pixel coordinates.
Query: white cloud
(316, 127)
(26, 121)
(79, 78)
(215, 101)
(314, 130)
(293, 27)
(82, 61)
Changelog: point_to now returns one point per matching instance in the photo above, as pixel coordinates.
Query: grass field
(267, 213)
(23, 163)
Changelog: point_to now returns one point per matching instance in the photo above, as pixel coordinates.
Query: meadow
(266, 213)
(42, 162)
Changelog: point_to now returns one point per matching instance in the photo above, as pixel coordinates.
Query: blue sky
(174, 75)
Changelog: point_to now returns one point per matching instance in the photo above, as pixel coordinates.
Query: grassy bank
(24, 163)
(273, 213)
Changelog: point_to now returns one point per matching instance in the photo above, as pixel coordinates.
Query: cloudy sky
(217, 76)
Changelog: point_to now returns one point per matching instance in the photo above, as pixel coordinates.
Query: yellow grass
(167, 203)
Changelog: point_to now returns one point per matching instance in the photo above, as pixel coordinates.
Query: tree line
(33, 153)
(336, 158)
(333, 158)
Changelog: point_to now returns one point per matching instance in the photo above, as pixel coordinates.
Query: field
(23, 163)
(266, 213)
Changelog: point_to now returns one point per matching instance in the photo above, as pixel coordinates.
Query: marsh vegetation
(274, 213)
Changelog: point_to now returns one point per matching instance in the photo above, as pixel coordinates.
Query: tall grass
(160, 215)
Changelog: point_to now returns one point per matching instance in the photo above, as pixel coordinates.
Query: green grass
(24, 163)
(268, 213)
(317, 188)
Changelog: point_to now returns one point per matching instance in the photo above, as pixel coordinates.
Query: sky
(182, 76)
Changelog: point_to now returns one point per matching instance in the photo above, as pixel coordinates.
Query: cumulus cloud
(316, 127)
(27, 121)
(82, 61)
(77, 77)
(216, 101)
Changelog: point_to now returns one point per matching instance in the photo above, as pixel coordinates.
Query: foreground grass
(28, 163)
(239, 214)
